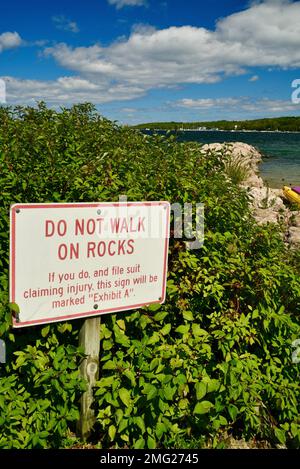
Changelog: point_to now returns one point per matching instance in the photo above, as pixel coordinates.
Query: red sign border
(12, 290)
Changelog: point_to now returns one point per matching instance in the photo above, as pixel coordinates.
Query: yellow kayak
(291, 195)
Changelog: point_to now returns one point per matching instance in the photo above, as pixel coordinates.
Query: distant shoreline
(271, 124)
(222, 130)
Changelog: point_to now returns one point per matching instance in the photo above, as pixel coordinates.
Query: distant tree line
(287, 124)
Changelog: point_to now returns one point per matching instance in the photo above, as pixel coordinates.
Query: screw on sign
(82, 260)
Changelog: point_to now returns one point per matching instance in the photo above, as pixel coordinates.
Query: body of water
(280, 150)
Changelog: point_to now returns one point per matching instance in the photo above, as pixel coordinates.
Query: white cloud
(124, 3)
(275, 106)
(9, 40)
(128, 110)
(264, 35)
(250, 105)
(207, 103)
(66, 90)
(254, 78)
(65, 24)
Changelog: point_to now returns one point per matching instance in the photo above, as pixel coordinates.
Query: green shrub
(215, 359)
(38, 395)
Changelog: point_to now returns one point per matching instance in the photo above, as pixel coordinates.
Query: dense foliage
(284, 124)
(214, 360)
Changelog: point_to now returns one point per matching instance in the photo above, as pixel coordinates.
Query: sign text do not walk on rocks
(80, 260)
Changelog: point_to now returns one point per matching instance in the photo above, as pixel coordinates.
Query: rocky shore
(268, 205)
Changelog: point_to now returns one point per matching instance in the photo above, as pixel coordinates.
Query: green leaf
(154, 307)
(119, 415)
(150, 391)
(183, 329)
(131, 376)
(139, 444)
(122, 425)
(160, 316)
(107, 344)
(183, 404)
(200, 390)
(197, 331)
(112, 432)
(213, 385)
(203, 407)
(188, 315)
(160, 429)
(233, 411)
(280, 435)
(153, 339)
(124, 395)
(140, 423)
(109, 365)
(166, 329)
(35, 439)
(45, 331)
(154, 363)
(180, 379)
(11, 337)
(151, 444)
(266, 323)
(295, 430)
(121, 324)
(169, 392)
(107, 381)
(223, 420)
(163, 406)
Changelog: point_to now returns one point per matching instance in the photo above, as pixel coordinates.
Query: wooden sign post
(89, 340)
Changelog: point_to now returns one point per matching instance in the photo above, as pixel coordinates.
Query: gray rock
(236, 149)
(294, 235)
(277, 192)
(262, 197)
(295, 219)
(265, 215)
(253, 181)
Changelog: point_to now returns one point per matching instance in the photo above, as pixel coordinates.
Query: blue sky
(153, 60)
